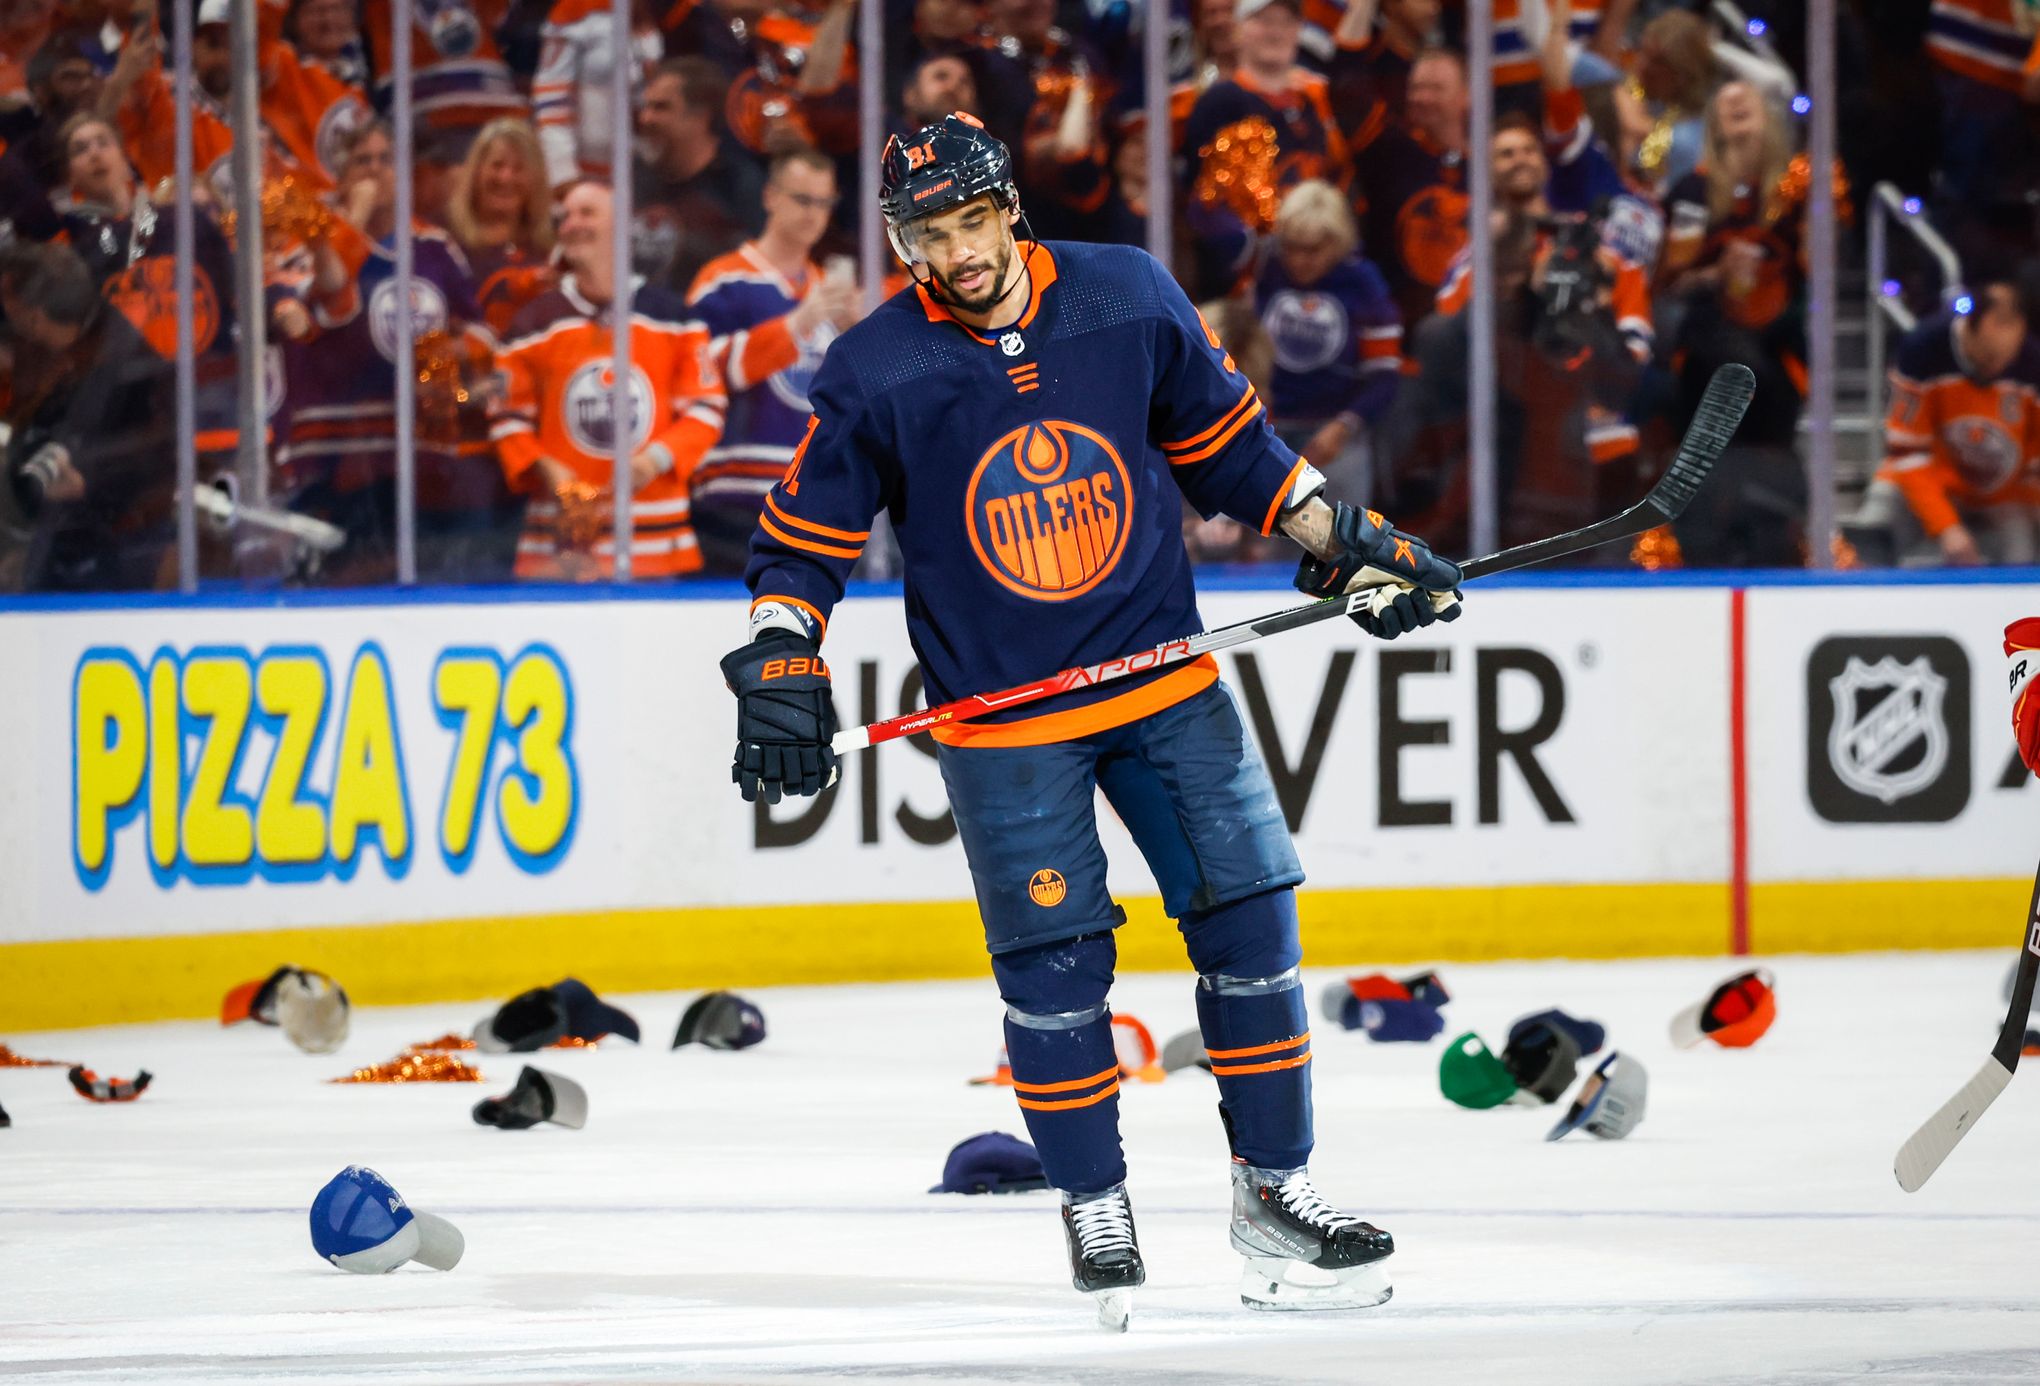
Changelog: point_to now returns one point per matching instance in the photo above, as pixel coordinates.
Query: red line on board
(1738, 783)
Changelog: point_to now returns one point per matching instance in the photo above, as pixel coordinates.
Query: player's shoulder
(1101, 285)
(891, 346)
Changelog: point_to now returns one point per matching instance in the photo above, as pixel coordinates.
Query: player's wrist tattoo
(1310, 525)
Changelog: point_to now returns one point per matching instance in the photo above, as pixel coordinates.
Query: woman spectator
(1735, 260)
(1662, 107)
(500, 215)
(1336, 334)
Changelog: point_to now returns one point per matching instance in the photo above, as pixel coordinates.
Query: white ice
(762, 1216)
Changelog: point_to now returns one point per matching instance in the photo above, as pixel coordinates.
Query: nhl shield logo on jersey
(587, 406)
(1012, 344)
(1888, 739)
(1048, 509)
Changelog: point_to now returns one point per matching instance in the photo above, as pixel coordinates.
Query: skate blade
(1115, 1309)
(1273, 1284)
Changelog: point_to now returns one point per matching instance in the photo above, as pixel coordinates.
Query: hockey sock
(1250, 1007)
(1065, 1070)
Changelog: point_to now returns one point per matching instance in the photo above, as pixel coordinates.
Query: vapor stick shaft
(1714, 422)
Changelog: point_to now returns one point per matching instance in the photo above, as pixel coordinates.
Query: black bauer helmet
(941, 166)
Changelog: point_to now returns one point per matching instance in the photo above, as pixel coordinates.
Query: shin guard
(1065, 1069)
(1250, 1007)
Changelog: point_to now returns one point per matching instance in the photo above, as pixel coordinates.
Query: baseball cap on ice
(1610, 1103)
(992, 1162)
(589, 1017)
(1472, 1076)
(1735, 1014)
(308, 1006)
(1543, 1059)
(720, 1020)
(530, 1020)
(1186, 1051)
(1589, 1035)
(538, 1096)
(361, 1224)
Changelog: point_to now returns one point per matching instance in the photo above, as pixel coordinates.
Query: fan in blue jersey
(1031, 417)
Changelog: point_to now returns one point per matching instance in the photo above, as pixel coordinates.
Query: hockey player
(1030, 415)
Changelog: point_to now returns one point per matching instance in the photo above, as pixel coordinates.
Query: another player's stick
(1920, 1156)
(1721, 409)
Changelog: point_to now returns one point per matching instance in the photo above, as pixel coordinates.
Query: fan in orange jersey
(555, 426)
(1962, 440)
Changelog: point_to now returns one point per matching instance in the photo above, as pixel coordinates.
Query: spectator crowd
(1650, 202)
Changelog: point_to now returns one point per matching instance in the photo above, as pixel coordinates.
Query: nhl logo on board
(1887, 729)
(1012, 344)
(1887, 715)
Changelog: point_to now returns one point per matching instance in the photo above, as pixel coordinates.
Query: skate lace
(1103, 1224)
(1301, 1198)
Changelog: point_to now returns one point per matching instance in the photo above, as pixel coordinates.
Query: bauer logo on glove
(1400, 585)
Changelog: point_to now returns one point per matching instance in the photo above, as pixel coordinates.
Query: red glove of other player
(2022, 648)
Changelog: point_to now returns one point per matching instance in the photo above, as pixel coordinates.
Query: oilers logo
(790, 386)
(336, 132)
(590, 419)
(1307, 330)
(1984, 452)
(1048, 508)
(428, 314)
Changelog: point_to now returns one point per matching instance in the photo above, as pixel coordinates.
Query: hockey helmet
(941, 166)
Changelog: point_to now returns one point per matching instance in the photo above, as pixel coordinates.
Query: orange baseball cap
(1735, 1014)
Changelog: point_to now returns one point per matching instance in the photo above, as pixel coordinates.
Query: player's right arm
(811, 532)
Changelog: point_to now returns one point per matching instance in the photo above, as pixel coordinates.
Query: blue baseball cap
(361, 1224)
(992, 1162)
(589, 1017)
(1395, 1022)
(720, 1020)
(1589, 1035)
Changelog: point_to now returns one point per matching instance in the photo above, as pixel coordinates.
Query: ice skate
(1302, 1253)
(1104, 1256)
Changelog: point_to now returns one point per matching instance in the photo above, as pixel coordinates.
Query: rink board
(439, 795)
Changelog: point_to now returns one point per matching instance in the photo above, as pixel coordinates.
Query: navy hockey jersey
(1338, 342)
(1034, 478)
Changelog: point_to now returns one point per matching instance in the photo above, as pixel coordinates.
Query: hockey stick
(1922, 1154)
(1714, 422)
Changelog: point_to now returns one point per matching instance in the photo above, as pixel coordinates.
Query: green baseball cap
(1472, 1076)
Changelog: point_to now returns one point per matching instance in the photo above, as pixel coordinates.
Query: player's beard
(996, 289)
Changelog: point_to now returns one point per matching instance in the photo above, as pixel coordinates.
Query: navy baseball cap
(528, 1021)
(991, 1162)
(720, 1020)
(1589, 1035)
(589, 1017)
(361, 1224)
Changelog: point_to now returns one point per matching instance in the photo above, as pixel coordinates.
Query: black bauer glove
(785, 719)
(1416, 586)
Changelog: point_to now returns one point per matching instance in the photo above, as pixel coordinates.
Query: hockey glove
(785, 719)
(1412, 586)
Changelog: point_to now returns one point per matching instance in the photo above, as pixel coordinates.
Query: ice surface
(761, 1216)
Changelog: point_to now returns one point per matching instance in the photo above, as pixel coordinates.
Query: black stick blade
(1714, 423)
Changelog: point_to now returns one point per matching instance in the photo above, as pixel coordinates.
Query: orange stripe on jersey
(1223, 420)
(827, 550)
(1093, 1100)
(1072, 1085)
(1144, 701)
(1254, 1050)
(854, 537)
(821, 621)
(1238, 1070)
(1218, 444)
(1275, 506)
(792, 482)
